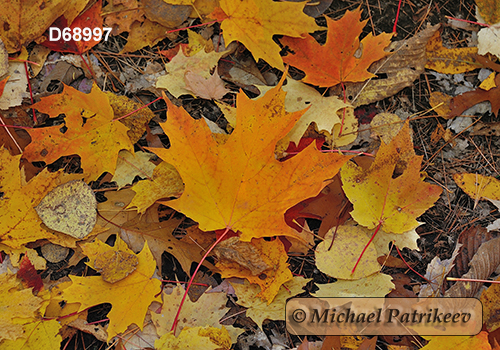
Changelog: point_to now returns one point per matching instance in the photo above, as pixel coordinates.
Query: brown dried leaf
(471, 239)
(482, 265)
(401, 68)
(468, 99)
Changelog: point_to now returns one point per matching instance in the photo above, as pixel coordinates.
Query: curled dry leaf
(482, 265)
(406, 63)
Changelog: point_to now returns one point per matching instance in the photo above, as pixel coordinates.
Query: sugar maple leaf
(338, 61)
(129, 297)
(254, 22)
(19, 222)
(91, 133)
(382, 201)
(239, 184)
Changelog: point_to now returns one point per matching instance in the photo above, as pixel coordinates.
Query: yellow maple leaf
(16, 303)
(165, 183)
(272, 253)
(259, 310)
(130, 297)
(37, 335)
(254, 22)
(19, 222)
(199, 338)
(239, 184)
(113, 263)
(382, 201)
(212, 304)
(91, 132)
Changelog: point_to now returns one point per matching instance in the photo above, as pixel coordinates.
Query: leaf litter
(252, 195)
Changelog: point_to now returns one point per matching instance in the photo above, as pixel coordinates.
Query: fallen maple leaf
(19, 222)
(349, 242)
(136, 292)
(254, 22)
(113, 263)
(212, 304)
(40, 334)
(377, 285)
(239, 184)
(379, 199)
(489, 10)
(121, 14)
(165, 183)
(338, 60)
(97, 142)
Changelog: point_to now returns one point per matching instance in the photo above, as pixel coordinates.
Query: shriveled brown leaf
(401, 68)
(471, 239)
(482, 265)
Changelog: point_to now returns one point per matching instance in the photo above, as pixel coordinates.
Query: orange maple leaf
(338, 60)
(91, 132)
(240, 185)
